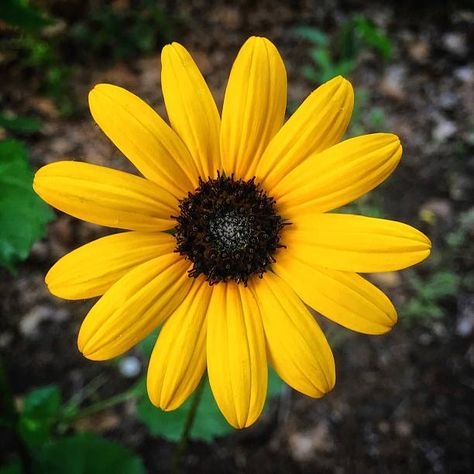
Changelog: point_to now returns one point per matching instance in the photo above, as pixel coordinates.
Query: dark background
(403, 401)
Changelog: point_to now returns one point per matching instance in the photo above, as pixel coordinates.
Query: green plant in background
(428, 293)
(21, 14)
(339, 54)
(42, 56)
(32, 46)
(37, 424)
(20, 124)
(23, 216)
(53, 49)
(370, 205)
(365, 119)
(43, 424)
(118, 34)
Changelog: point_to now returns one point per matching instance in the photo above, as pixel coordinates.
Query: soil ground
(403, 401)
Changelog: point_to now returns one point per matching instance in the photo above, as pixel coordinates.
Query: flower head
(245, 197)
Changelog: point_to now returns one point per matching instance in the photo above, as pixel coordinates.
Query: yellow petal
(297, 348)
(105, 196)
(254, 106)
(178, 360)
(144, 138)
(134, 306)
(355, 243)
(318, 123)
(93, 268)
(236, 356)
(345, 298)
(191, 108)
(338, 175)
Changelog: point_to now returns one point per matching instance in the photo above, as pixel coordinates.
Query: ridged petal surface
(345, 298)
(236, 358)
(135, 305)
(92, 269)
(355, 243)
(191, 108)
(297, 348)
(338, 175)
(254, 106)
(144, 138)
(318, 123)
(105, 196)
(178, 360)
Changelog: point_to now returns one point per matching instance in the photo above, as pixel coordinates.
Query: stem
(183, 442)
(102, 405)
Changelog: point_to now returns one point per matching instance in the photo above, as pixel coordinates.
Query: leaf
(373, 36)
(20, 14)
(87, 454)
(40, 409)
(275, 384)
(42, 402)
(209, 422)
(147, 344)
(20, 124)
(23, 215)
(12, 468)
(314, 35)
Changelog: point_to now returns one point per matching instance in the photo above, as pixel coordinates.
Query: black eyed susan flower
(246, 198)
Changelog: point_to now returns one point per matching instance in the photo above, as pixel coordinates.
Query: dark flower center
(229, 229)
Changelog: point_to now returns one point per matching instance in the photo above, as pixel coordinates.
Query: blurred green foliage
(365, 119)
(43, 419)
(21, 14)
(23, 215)
(370, 205)
(41, 408)
(209, 422)
(338, 55)
(54, 49)
(460, 243)
(19, 124)
(37, 420)
(87, 453)
(428, 294)
(118, 34)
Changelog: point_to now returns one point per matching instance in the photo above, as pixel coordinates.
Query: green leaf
(20, 14)
(209, 422)
(42, 402)
(20, 124)
(373, 36)
(87, 454)
(12, 468)
(275, 384)
(314, 35)
(147, 344)
(40, 409)
(23, 216)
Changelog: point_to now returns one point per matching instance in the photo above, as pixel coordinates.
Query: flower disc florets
(229, 229)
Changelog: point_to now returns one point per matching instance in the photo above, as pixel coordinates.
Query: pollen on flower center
(229, 229)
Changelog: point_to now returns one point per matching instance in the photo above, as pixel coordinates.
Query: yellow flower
(246, 198)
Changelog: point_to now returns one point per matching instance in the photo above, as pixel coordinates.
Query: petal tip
(102, 87)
